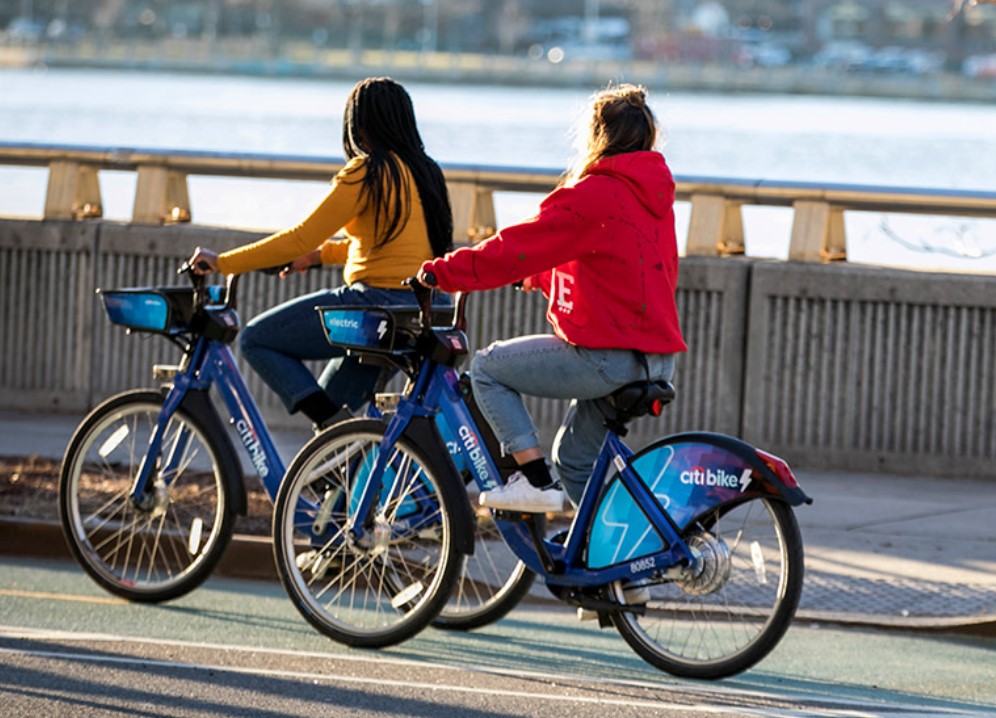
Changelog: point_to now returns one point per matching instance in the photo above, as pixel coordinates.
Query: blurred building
(885, 35)
(925, 25)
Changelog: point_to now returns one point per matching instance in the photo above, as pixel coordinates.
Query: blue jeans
(277, 342)
(547, 366)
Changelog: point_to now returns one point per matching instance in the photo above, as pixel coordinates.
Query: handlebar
(423, 290)
(198, 281)
(201, 290)
(423, 298)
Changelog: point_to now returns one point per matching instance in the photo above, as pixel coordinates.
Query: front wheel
(733, 607)
(166, 544)
(381, 587)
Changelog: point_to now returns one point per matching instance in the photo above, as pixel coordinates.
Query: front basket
(162, 310)
(371, 328)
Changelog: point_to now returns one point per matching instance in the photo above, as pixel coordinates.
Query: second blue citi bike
(151, 483)
(689, 547)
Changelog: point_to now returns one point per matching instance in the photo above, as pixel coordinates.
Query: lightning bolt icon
(607, 512)
(382, 329)
(744, 480)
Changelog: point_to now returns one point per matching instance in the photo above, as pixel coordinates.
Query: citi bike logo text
(251, 443)
(473, 448)
(707, 477)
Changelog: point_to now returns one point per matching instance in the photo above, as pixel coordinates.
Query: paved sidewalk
(900, 551)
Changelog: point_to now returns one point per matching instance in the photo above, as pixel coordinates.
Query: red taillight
(779, 467)
(657, 408)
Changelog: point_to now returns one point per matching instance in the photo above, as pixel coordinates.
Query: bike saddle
(641, 398)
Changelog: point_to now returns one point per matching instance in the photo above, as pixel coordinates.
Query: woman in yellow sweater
(391, 202)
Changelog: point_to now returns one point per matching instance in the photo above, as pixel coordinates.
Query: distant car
(582, 51)
(904, 60)
(59, 29)
(979, 66)
(24, 28)
(763, 54)
(842, 55)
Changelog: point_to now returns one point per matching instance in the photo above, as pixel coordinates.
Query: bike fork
(141, 496)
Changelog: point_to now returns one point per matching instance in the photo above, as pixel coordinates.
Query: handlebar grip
(187, 268)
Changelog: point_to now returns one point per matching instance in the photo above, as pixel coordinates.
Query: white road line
(813, 707)
(105, 600)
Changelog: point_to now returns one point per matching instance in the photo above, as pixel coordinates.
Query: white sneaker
(519, 495)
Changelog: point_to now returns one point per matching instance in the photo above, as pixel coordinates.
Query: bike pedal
(588, 614)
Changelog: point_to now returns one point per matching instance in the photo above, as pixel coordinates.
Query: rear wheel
(492, 581)
(734, 606)
(393, 581)
(165, 544)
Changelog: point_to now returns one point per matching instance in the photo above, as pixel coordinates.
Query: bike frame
(435, 390)
(211, 363)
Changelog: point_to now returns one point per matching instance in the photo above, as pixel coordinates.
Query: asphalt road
(238, 648)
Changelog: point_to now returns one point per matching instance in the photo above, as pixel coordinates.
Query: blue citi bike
(688, 547)
(151, 484)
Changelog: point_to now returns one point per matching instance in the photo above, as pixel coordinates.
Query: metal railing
(715, 228)
(835, 366)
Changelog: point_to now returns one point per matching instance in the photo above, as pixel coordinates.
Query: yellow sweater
(342, 209)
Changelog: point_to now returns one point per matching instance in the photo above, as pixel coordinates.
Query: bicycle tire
(366, 596)
(168, 548)
(491, 582)
(731, 614)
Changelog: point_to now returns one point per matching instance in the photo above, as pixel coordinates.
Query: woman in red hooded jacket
(602, 249)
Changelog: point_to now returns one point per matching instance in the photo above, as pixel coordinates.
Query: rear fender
(690, 474)
(707, 468)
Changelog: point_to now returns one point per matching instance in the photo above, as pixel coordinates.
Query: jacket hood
(646, 174)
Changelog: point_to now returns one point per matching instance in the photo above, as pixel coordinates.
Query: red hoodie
(602, 250)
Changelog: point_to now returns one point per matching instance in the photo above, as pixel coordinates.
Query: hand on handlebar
(302, 264)
(527, 285)
(203, 261)
(427, 279)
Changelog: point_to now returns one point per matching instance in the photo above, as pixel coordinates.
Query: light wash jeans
(277, 342)
(546, 366)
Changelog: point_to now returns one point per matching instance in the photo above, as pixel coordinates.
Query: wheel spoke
(387, 583)
(733, 605)
(166, 546)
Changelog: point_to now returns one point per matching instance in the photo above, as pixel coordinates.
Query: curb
(251, 557)
(246, 556)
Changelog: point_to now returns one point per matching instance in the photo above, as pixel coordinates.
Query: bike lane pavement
(909, 552)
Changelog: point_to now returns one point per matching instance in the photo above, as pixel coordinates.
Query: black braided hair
(379, 124)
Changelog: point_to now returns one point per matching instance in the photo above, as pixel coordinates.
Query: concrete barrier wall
(872, 369)
(46, 279)
(834, 366)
